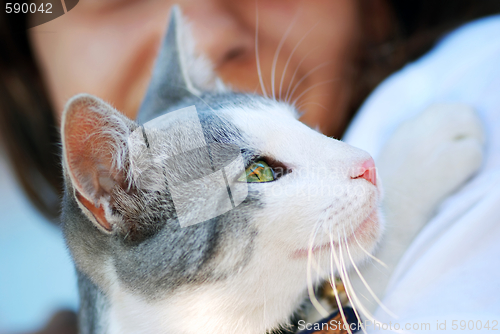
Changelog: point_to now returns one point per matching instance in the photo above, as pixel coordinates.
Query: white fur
(319, 194)
(197, 69)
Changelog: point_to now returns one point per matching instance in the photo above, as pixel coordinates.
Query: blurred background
(37, 276)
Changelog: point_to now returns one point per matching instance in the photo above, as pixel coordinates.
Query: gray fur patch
(169, 256)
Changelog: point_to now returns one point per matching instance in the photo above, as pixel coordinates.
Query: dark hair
(422, 22)
(419, 24)
(28, 127)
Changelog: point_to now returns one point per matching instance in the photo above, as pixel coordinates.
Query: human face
(107, 48)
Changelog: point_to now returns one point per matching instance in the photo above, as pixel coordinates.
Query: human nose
(218, 32)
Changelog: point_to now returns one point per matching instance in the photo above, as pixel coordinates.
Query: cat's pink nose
(368, 172)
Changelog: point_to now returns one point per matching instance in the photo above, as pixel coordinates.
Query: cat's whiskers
(289, 96)
(310, 286)
(346, 281)
(314, 96)
(257, 59)
(256, 90)
(320, 272)
(364, 250)
(337, 265)
(290, 58)
(277, 53)
(313, 103)
(371, 316)
(200, 98)
(312, 87)
(295, 73)
(206, 103)
(331, 278)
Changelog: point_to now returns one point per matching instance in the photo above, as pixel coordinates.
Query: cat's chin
(365, 236)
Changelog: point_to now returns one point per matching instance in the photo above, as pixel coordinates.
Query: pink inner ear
(92, 134)
(97, 212)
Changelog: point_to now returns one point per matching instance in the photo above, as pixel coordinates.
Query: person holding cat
(351, 58)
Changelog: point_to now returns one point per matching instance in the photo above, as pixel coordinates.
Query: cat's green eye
(258, 171)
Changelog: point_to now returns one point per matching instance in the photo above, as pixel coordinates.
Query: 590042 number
(28, 8)
(474, 325)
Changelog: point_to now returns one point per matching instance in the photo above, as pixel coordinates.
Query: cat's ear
(178, 71)
(95, 154)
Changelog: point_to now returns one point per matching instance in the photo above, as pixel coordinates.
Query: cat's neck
(209, 310)
(244, 305)
(94, 307)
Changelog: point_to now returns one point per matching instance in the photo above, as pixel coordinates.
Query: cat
(246, 270)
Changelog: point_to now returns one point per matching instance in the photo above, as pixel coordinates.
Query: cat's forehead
(233, 105)
(227, 118)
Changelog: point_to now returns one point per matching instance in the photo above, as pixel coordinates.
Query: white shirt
(451, 271)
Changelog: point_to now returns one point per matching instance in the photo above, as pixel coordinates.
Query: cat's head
(249, 264)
